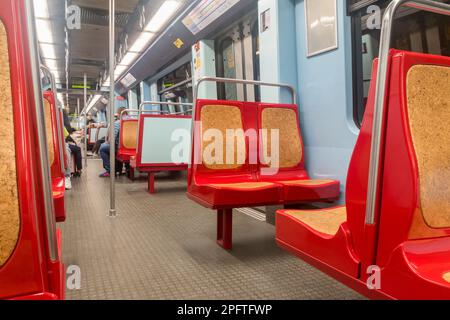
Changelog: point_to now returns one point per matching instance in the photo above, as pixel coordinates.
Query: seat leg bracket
(151, 183)
(225, 228)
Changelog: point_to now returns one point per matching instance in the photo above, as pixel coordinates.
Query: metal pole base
(112, 213)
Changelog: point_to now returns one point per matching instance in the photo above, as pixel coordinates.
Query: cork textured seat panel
(129, 134)
(325, 221)
(290, 149)
(428, 93)
(291, 173)
(49, 132)
(446, 276)
(215, 121)
(9, 205)
(226, 178)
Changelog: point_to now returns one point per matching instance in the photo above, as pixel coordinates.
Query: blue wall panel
(325, 92)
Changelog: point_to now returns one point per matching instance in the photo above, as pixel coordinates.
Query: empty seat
(409, 239)
(127, 139)
(234, 164)
(127, 143)
(220, 180)
(290, 170)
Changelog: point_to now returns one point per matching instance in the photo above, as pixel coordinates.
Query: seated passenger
(74, 148)
(105, 147)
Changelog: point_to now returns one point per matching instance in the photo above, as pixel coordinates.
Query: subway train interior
(225, 150)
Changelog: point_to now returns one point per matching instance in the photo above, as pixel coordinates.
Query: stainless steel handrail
(381, 89)
(248, 82)
(175, 86)
(50, 219)
(62, 146)
(164, 103)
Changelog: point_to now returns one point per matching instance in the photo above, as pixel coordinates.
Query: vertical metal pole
(78, 114)
(112, 151)
(85, 122)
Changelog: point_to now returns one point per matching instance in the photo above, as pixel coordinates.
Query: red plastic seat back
(52, 135)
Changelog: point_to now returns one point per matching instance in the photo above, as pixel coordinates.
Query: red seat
(218, 183)
(58, 177)
(127, 139)
(250, 179)
(127, 143)
(410, 239)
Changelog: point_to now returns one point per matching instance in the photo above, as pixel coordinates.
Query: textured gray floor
(163, 247)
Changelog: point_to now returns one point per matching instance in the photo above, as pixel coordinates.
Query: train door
(237, 57)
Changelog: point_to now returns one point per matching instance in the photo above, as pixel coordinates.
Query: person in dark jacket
(74, 148)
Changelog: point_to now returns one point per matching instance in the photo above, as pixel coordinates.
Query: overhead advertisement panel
(205, 13)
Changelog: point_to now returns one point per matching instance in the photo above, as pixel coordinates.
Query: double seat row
(246, 171)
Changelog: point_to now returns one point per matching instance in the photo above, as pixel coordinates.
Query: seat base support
(225, 228)
(151, 183)
(131, 174)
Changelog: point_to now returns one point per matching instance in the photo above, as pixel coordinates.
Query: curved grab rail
(50, 220)
(62, 146)
(164, 103)
(248, 82)
(381, 89)
(141, 111)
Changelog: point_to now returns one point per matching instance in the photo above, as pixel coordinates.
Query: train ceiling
(147, 33)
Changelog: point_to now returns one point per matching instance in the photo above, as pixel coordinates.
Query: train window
(176, 86)
(9, 206)
(415, 31)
